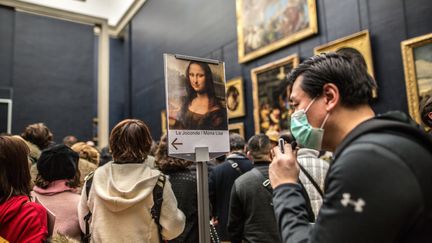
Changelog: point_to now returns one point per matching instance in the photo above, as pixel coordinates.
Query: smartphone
(281, 145)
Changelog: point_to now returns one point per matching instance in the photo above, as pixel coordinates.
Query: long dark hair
(209, 86)
(14, 168)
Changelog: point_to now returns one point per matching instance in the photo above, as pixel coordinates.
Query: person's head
(327, 86)
(258, 147)
(357, 59)
(105, 156)
(70, 140)
(58, 163)
(166, 163)
(237, 143)
(86, 152)
(426, 111)
(199, 79)
(14, 169)
(130, 141)
(38, 134)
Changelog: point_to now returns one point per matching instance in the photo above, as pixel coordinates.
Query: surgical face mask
(303, 132)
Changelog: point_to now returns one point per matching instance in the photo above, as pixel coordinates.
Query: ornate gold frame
(359, 41)
(407, 48)
(163, 121)
(297, 36)
(239, 126)
(240, 111)
(294, 59)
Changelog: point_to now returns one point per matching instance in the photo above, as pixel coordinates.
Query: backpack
(155, 210)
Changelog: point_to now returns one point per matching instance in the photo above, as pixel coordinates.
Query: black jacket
(378, 189)
(220, 182)
(183, 184)
(251, 216)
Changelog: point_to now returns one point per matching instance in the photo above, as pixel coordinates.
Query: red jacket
(22, 220)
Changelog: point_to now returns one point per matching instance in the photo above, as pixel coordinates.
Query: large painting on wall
(264, 26)
(269, 90)
(235, 98)
(359, 41)
(417, 61)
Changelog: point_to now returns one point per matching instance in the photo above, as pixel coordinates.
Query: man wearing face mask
(379, 185)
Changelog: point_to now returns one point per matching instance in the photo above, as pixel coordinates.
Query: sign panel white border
(182, 143)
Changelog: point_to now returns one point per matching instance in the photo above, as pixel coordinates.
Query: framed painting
(269, 90)
(264, 26)
(235, 98)
(359, 41)
(163, 122)
(237, 128)
(417, 61)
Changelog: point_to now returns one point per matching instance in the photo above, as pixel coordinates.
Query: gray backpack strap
(235, 166)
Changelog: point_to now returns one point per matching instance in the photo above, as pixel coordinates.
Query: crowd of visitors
(377, 187)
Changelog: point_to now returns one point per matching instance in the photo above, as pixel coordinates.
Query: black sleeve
(235, 217)
(369, 197)
(212, 193)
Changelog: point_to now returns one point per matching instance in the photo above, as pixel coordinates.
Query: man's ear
(331, 95)
(430, 115)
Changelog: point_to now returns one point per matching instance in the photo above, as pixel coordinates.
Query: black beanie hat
(57, 163)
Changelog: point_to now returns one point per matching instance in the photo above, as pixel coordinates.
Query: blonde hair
(86, 152)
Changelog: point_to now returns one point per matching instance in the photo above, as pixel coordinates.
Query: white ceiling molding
(116, 13)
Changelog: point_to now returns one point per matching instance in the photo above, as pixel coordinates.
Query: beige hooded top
(120, 200)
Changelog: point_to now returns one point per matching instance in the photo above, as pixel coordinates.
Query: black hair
(236, 142)
(353, 81)
(259, 146)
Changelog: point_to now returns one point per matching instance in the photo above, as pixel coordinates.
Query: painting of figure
(264, 26)
(417, 61)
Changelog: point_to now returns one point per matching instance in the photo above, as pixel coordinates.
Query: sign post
(202, 156)
(197, 120)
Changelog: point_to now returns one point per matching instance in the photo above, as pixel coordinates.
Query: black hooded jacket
(378, 189)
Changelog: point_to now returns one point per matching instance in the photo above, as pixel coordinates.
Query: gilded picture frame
(417, 62)
(163, 122)
(235, 98)
(359, 41)
(264, 26)
(267, 86)
(237, 128)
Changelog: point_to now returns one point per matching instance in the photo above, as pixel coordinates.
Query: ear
(331, 96)
(430, 115)
(248, 155)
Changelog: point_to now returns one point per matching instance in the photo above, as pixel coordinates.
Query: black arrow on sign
(173, 143)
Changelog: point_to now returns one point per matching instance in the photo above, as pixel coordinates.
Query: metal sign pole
(202, 156)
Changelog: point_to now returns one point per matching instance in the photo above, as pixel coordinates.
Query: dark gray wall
(7, 22)
(48, 63)
(120, 79)
(208, 29)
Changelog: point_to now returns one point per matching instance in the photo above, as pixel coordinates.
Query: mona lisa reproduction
(269, 90)
(417, 61)
(235, 98)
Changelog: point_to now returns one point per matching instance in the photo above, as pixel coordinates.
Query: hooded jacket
(120, 199)
(22, 220)
(62, 201)
(378, 188)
